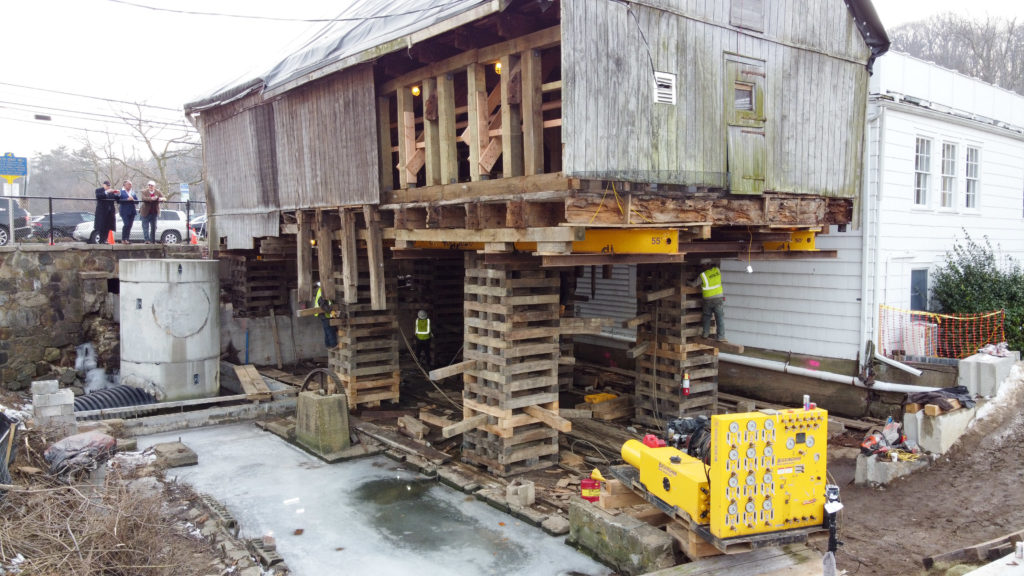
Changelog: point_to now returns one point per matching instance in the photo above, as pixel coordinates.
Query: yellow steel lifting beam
(799, 241)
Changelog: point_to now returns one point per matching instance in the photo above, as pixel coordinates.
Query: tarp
(362, 25)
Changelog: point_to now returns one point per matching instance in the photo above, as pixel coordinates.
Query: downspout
(786, 368)
(865, 228)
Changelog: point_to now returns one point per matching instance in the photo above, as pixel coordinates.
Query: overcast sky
(120, 50)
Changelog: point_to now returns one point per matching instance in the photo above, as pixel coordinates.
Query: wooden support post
(349, 257)
(550, 418)
(446, 128)
(406, 138)
(477, 118)
(304, 257)
(387, 182)
(375, 254)
(533, 118)
(431, 136)
(511, 117)
(464, 426)
(325, 256)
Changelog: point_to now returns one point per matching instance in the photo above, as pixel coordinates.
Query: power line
(181, 110)
(180, 124)
(277, 19)
(133, 136)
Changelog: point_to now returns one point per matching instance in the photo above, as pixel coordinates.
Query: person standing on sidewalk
(128, 211)
(105, 211)
(151, 199)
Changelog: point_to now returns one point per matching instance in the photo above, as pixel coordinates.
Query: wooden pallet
(511, 337)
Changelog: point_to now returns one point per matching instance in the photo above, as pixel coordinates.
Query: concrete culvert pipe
(115, 397)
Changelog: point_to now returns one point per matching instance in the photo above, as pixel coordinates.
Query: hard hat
(422, 315)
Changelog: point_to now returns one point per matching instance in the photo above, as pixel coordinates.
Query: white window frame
(972, 179)
(922, 170)
(947, 192)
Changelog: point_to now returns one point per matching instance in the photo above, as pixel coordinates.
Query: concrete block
(981, 374)
(45, 387)
(628, 545)
(520, 493)
(321, 422)
(874, 470)
(57, 411)
(555, 525)
(173, 455)
(57, 398)
(937, 434)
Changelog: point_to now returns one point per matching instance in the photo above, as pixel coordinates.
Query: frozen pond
(362, 516)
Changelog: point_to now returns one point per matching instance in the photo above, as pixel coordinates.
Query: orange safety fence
(905, 333)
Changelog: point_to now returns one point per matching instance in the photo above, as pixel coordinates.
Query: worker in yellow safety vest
(714, 301)
(423, 335)
(327, 312)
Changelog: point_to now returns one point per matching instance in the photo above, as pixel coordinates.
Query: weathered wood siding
(326, 134)
(241, 171)
(815, 91)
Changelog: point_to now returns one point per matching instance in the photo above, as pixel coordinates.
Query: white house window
(973, 162)
(922, 171)
(948, 175)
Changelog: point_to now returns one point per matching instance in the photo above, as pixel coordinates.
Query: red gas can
(590, 489)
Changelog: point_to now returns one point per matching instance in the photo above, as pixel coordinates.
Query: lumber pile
(932, 409)
(983, 552)
(257, 282)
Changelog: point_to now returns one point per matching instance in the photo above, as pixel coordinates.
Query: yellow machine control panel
(675, 478)
(767, 471)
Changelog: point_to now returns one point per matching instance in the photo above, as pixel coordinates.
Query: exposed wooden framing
(492, 235)
(477, 118)
(375, 254)
(540, 40)
(486, 189)
(548, 417)
(349, 257)
(532, 117)
(325, 255)
(511, 117)
(304, 257)
(446, 128)
(431, 135)
(406, 138)
(384, 137)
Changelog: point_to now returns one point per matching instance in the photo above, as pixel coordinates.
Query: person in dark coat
(128, 201)
(105, 210)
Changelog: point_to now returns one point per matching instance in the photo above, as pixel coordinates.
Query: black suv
(22, 224)
(64, 224)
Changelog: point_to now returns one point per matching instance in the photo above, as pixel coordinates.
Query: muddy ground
(972, 494)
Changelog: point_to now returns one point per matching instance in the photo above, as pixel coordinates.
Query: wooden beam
(637, 350)
(491, 235)
(454, 369)
(532, 117)
(349, 256)
(466, 425)
(387, 161)
(548, 417)
(304, 257)
(477, 117)
(511, 117)
(375, 254)
(660, 294)
(406, 138)
(637, 320)
(446, 128)
(583, 325)
(552, 186)
(431, 136)
(325, 256)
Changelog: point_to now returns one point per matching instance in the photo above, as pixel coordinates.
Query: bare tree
(991, 49)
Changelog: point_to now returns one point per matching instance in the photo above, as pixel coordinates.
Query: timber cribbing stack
(366, 359)
(673, 317)
(512, 331)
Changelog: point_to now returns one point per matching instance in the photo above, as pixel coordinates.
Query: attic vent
(665, 88)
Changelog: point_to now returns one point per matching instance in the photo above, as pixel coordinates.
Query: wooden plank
(548, 417)
(491, 235)
(304, 258)
(396, 441)
(691, 543)
(466, 425)
(913, 408)
(724, 346)
(454, 369)
(431, 136)
(349, 257)
(574, 413)
(375, 254)
(935, 410)
(252, 383)
(406, 137)
(975, 553)
(412, 427)
(384, 140)
(511, 117)
(476, 131)
(638, 350)
(430, 416)
(532, 115)
(659, 294)
(637, 320)
(449, 166)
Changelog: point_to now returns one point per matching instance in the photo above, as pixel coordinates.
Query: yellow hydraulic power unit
(765, 472)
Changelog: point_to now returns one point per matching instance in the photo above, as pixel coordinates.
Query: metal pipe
(897, 364)
(786, 368)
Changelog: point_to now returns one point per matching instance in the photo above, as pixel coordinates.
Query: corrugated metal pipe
(786, 368)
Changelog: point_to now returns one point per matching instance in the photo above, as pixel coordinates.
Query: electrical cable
(425, 373)
(179, 124)
(52, 125)
(179, 110)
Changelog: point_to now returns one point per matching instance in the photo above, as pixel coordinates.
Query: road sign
(184, 192)
(13, 167)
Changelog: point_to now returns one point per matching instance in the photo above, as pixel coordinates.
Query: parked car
(22, 222)
(170, 229)
(64, 223)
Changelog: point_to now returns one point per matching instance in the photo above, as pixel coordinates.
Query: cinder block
(520, 493)
(45, 387)
(937, 434)
(981, 374)
(46, 413)
(58, 398)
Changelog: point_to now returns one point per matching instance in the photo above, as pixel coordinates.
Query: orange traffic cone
(192, 238)
(110, 237)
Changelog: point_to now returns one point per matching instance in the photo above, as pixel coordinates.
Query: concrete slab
(981, 374)
(627, 544)
(937, 434)
(1008, 565)
(370, 514)
(872, 470)
(174, 455)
